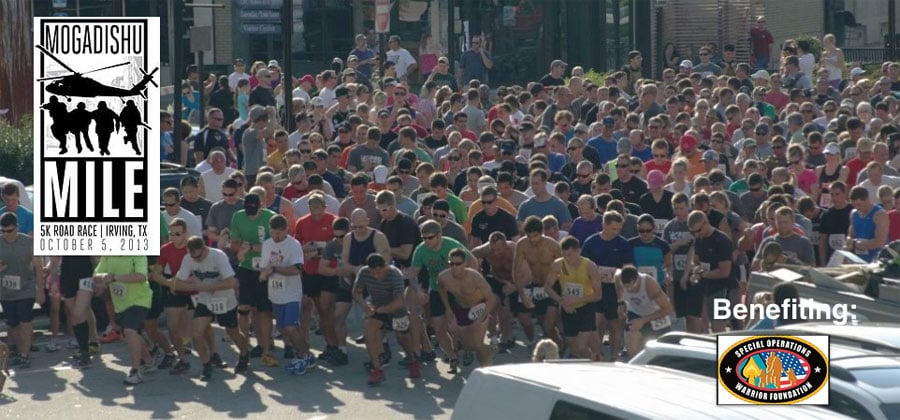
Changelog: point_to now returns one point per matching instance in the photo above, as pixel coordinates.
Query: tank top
(864, 228)
(276, 205)
(639, 302)
(360, 250)
(576, 282)
(824, 180)
(829, 62)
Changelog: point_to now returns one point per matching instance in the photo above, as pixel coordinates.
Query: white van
(569, 390)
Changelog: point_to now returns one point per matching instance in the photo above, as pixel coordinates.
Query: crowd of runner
(605, 213)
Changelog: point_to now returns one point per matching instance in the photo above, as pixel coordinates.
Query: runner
(647, 307)
(498, 253)
(578, 289)
(469, 298)
(76, 283)
(531, 263)
(21, 285)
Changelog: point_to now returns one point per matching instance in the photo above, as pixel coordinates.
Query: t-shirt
(651, 255)
(402, 59)
(24, 218)
(713, 250)
(194, 226)
(126, 295)
(254, 151)
(435, 261)
(675, 231)
(212, 183)
(582, 229)
(209, 138)
(253, 232)
(793, 246)
(283, 289)
(220, 215)
(615, 252)
(401, 231)
(659, 210)
(835, 225)
(319, 232)
(383, 292)
(631, 190)
(200, 208)
(170, 258)
(17, 281)
(473, 67)
(553, 206)
(365, 159)
(483, 225)
(211, 270)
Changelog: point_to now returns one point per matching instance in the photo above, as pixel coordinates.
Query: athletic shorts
(709, 298)
(17, 312)
(253, 292)
(435, 305)
(68, 287)
(688, 302)
(286, 315)
(579, 322)
(157, 301)
(132, 318)
(608, 305)
(540, 305)
(226, 320)
(647, 331)
(179, 301)
(496, 286)
(315, 284)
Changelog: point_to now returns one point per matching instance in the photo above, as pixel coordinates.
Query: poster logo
(773, 370)
(96, 167)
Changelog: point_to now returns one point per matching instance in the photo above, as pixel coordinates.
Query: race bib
(86, 284)
(574, 289)
(680, 262)
(650, 271)
(218, 305)
(400, 324)
(195, 299)
(660, 225)
(837, 241)
(254, 262)
(815, 238)
(825, 197)
(118, 290)
(704, 267)
(723, 168)
(538, 293)
(476, 312)
(11, 282)
(276, 283)
(849, 153)
(607, 274)
(658, 324)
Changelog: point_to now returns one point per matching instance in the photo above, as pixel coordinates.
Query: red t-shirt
(170, 256)
(855, 165)
(307, 230)
(664, 168)
(292, 193)
(894, 232)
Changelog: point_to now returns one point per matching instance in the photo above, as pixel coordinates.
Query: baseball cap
(710, 156)
(688, 142)
(762, 128)
(404, 164)
(686, 64)
(609, 121)
(760, 74)
(832, 149)
(581, 128)
(655, 178)
(317, 101)
(238, 60)
(384, 112)
(484, 182)
(341, 91)
(536, 89)
(540, 140)
(307, 78)
(507, 146)
(559, 63)
(251, 204)
(380, 174)
(633, 54)
(273, 63)
(257, 112)
(352, 57)
(856, 71)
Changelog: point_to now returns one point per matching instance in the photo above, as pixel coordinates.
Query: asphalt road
(52, 389)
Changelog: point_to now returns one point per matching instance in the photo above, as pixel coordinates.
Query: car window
(564, 410)
(686, 364)
(847, 406)
(878, 378)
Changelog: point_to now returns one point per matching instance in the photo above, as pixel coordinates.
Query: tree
(16, 58)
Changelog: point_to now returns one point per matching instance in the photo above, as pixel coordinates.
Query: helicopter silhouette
(76, 84)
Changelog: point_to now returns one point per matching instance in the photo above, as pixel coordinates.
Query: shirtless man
(533, 256)
(471, 304)
(577, 290)
(498, 252)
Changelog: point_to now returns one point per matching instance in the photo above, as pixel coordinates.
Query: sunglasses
(487, 202)
(10, 230)
(696, 231)
(341, 236)
(717, 141)
(755, 189)
(228, 195)
(454, 158)
(573, 148)
(385, 209)
(584, 175)
(404, 171)
(305, 151)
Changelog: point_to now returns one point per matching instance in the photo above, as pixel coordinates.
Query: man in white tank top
(648, 308)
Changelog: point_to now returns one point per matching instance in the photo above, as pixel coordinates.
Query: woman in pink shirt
(806, 177)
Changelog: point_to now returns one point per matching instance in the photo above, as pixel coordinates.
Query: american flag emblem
(791, 365)
(767, 368)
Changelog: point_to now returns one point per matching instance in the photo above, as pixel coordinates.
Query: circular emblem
(773, 370)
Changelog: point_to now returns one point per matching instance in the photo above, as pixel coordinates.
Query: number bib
(11, 282)
(538, 293)
(477, 311)
(658, 324)
(400, 324)
(660, 225)
(574, 289)
(86, 284)
(607, 274)
(837, 241)
(825, 197)
(195, 299)
(650, 271)
(276, 283)
(218, 305)
(118, 290)
(704, 266)
(680, 262)
(254, 262)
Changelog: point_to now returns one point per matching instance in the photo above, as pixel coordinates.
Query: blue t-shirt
(651, 255)
(473, 67)
(556, 161)
(645, 154)
(365, 69)
(607, 149)
(25, 219)
(554, 206)
(165, 139)
(582, 229)
(613, 253)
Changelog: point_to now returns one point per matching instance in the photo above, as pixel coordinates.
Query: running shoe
(414, 370)
(243, 364)
(310, 360)
(468, 358)
(147, 368)
(72, 344)
(111, 337)
(52, 347)
(134, 377)
(428, 356)
(180, 367)
(94, 348)
(167, 361)
(376, 377)
(339, 359)
(217, 361)
(297, 367)
(506, 346)
(256, 352)
(289, 353)
(454, 367)
(269, 361)
(82, 364)
(206, 375)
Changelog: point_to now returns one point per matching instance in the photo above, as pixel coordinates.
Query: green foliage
(596, 77)
(815, 45)
(17, 150)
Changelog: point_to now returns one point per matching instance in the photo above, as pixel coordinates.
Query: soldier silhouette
(107, 122)
(79, 123)
(131, 118)
(60, 114)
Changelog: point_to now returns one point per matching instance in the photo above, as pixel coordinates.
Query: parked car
(171, 174)
(575, 390)
(864, 380)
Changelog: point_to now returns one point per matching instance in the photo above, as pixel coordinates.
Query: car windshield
(879, 377)
(891, 411)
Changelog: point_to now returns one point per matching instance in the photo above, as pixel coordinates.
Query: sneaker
(72, 344)
(269, 361)
(167, 361)
(94, 349)
(82, 364)
(289, 353)
(428, 356)
(206, 375)
(310, 360)
(180, 367)
(111, 337)
(339, 359)
(217, 361)
(186, 343)
(243, 364)
(376, 377)
(506, 346)
(406, 362)
(327, 354)
(454, 367)
(297, 367)
(256, 352)
(368, 367)
(360, 340)
(414, 370)
(21, 362)
(468, 358)
(134, 377)
(52, 347)
(276, 334)
(385, 359)
(147, 368)
(158, 357)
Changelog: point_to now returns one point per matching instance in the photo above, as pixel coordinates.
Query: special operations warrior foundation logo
(96, 136)
(773, 370)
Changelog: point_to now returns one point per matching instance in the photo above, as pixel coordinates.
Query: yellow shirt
(274, 160)
(576, 282)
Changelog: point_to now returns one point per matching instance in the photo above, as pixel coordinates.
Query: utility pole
(287, 30)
